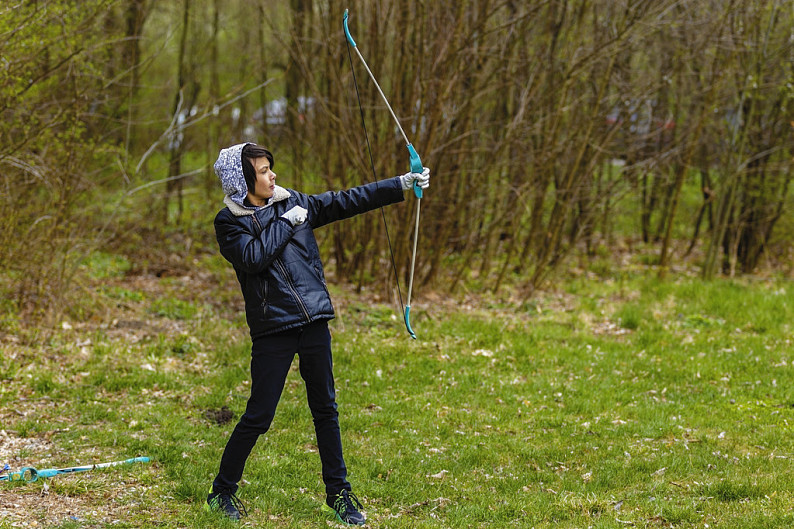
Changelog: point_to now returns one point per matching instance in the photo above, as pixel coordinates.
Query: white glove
(423, 179)
(296, 215)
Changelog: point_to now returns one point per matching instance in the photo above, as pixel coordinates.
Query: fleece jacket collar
(279, 194)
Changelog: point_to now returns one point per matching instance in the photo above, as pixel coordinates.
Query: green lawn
(606, 404)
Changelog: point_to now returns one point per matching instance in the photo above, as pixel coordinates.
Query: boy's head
(251, 152)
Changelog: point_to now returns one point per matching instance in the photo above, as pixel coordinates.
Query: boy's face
(265, 182)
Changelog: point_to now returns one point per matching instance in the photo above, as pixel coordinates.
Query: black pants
(271, 357)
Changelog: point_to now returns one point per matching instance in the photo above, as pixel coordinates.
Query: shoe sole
(219, 513)
(326, 508)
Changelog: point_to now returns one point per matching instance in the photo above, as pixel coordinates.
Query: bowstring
(375, 179)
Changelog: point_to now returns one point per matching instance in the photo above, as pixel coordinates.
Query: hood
(229, 168)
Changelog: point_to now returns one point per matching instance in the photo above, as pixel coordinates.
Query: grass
(613, 403)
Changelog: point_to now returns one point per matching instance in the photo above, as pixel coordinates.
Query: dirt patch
(19, 452)
(221, 416)
(21, 508)
(47, 503)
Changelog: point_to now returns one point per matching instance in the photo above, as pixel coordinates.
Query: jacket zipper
(292, 288)
(264, 290)
(286, 277)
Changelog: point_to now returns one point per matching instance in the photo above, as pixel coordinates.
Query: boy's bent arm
(245, 250)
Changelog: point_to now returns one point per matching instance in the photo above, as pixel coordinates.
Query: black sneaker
(346, 507)
(226, 503)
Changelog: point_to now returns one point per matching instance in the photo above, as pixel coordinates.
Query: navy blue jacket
(278, 265)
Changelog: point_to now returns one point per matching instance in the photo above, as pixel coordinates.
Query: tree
(53, 144)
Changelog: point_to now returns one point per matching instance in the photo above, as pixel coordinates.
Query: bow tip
(407, 318)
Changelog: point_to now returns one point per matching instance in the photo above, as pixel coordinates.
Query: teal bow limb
(347, 32)
(407, 318)
(418, 192)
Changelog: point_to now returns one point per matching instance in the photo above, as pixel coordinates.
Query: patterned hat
(229, 168)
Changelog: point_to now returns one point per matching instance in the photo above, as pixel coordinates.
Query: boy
(266, 233)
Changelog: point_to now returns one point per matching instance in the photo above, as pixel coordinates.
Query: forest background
(576, 136)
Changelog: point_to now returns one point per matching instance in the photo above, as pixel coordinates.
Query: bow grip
(347, 32)
(416, 167)
(27, 474)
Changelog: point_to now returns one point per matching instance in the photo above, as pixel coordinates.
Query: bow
(416, 167)
(30, 474)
